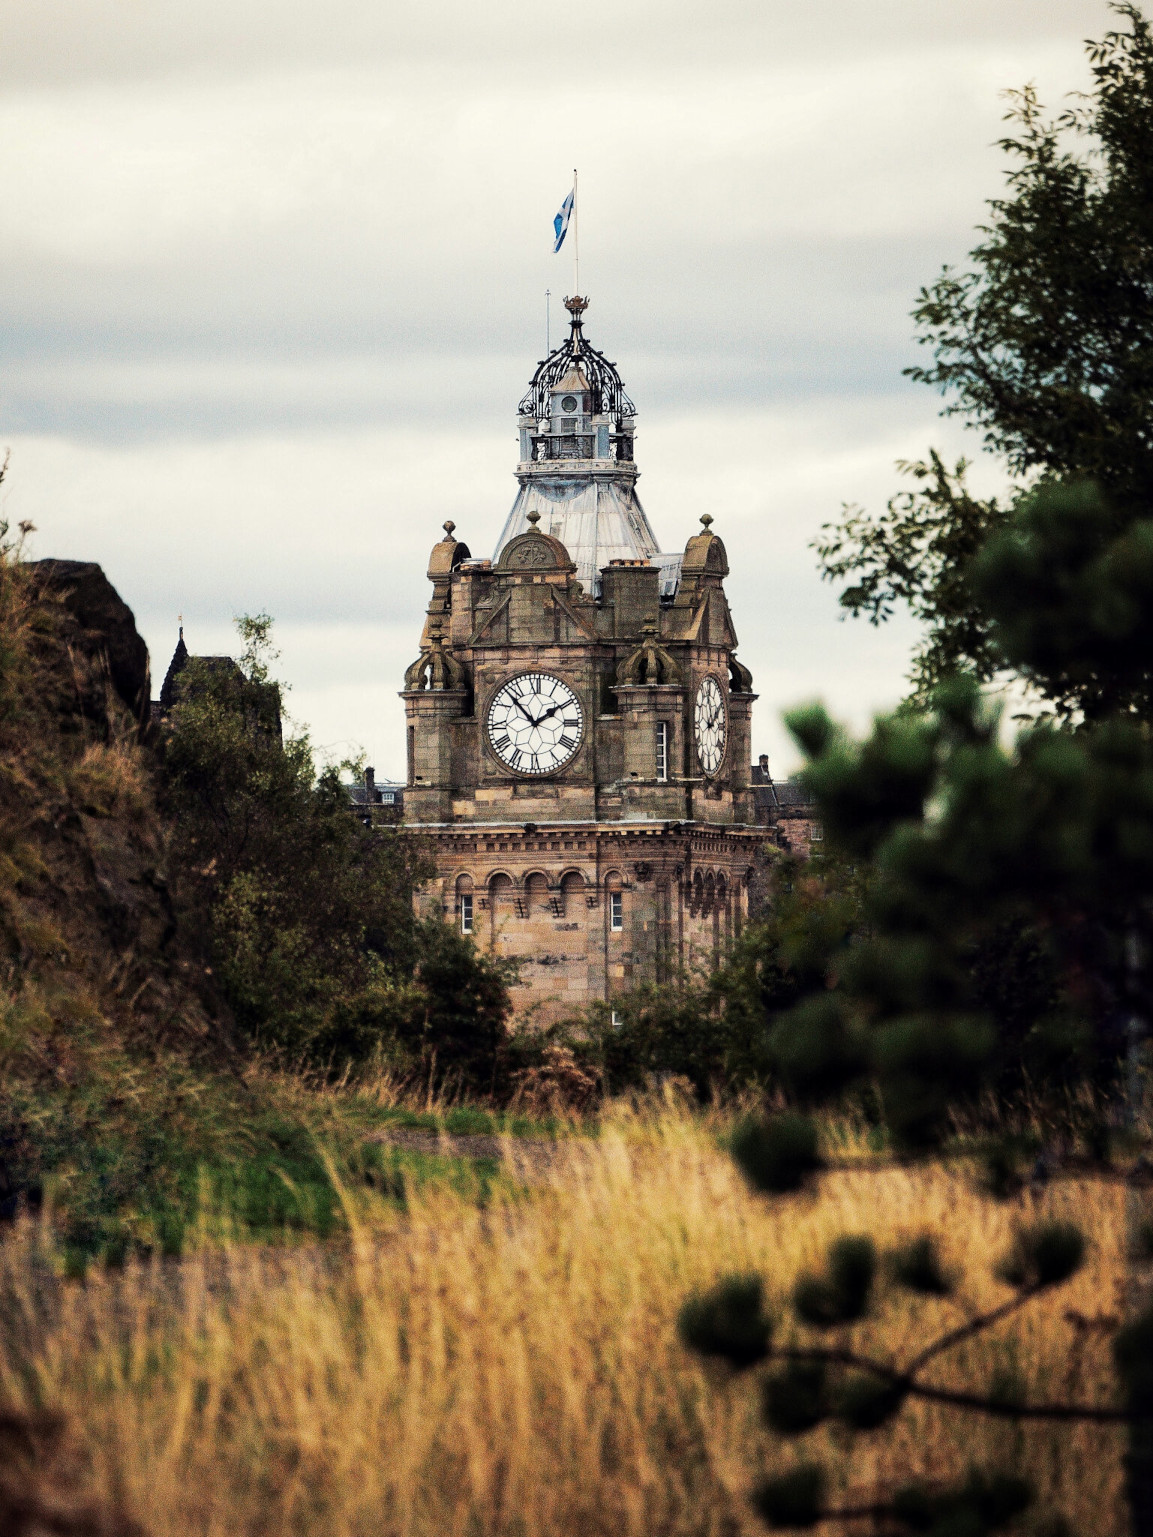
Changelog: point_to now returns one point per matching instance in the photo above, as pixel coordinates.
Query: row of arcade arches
(709, 893)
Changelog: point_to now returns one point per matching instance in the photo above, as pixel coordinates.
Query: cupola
(577, 470)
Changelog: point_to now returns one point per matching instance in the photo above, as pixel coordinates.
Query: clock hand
(524, 712)
(546, 714)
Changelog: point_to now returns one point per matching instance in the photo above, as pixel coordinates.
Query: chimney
(370, 786)
(765, 765)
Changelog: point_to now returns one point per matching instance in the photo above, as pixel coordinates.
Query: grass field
(499, 1356)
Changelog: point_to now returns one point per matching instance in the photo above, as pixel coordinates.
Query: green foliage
(793, 1499)
(776, 1155)
(795, 1399)
(917, 1267)
(1067, 585)
(728, 1322)
(1042, 343)
(307, 914)
(1043, 1255)
(716, 1034)
(916, 555)
(994, 934)
(666, 1030)
(984, 1503)
(808, 1385)
(866, 1403)
(1133, 1358)
(1004, 933)
(841, 1294)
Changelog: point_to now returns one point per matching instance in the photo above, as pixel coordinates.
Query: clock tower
(578, 724)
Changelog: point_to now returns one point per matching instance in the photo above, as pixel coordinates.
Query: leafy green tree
(306, 914)
(713, 1033)
(1044, 343)
(1003, 883)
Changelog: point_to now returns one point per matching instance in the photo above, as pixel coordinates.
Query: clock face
(535, 723)
(711, 726)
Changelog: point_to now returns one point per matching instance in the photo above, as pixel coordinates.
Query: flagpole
(576, 238)
(547, 322)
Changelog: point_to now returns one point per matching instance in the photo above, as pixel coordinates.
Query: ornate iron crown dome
(608, 393)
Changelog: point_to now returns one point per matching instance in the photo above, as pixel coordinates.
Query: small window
(387, 798)
(570, 403)
(816, 833)
(662, 750)
(466, 913)
(616, 911)
(616, 1020)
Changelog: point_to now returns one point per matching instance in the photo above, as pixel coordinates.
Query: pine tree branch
(978, 1402)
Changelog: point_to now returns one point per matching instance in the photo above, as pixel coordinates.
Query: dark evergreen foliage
(306, 913)
(1042, 343)
(728, 1322)
(1004, 927)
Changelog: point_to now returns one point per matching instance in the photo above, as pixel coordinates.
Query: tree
(1044, 343)
(1046, 346)
(307, 915)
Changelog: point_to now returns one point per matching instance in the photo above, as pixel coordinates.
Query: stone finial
(534, 517)
(435, 668)
(650, 662)
(706, 518)
(448, 525)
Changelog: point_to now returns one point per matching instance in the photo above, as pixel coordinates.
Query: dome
(593, 370)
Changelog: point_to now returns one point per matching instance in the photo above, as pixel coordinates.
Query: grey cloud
(272, 279)
(76, 40)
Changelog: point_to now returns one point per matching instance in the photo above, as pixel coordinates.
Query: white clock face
(535, 723)
(711, 726)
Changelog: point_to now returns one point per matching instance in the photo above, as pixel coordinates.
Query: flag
(560, 223)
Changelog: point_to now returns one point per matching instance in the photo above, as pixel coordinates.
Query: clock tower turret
(578, 723)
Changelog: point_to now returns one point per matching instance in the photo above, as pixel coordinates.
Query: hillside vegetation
(186, 921)
(465, 1369)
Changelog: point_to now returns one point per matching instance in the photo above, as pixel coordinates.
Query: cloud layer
(272, 280)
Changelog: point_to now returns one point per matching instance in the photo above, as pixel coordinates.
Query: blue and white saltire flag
(560, 223)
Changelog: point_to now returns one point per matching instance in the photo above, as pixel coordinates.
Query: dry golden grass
(461, 1372)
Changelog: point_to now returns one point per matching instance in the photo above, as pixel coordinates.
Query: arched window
(572, 894)
(500, 892)
(536, 894)
(464, 903)
(615, 902)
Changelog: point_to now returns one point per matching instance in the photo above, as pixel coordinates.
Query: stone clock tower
(578, 724)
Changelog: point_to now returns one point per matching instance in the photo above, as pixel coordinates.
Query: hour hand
(546, 715)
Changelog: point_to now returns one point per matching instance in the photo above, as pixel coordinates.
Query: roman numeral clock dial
(535, 723)
(711, 726)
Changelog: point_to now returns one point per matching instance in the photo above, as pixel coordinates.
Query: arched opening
(501, 900)
(615, 902)
(465, 904)
(536, 894)
(572, 894)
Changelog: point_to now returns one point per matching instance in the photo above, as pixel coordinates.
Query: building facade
(578, 724)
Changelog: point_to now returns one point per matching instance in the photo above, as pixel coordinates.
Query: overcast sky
(273, 273)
